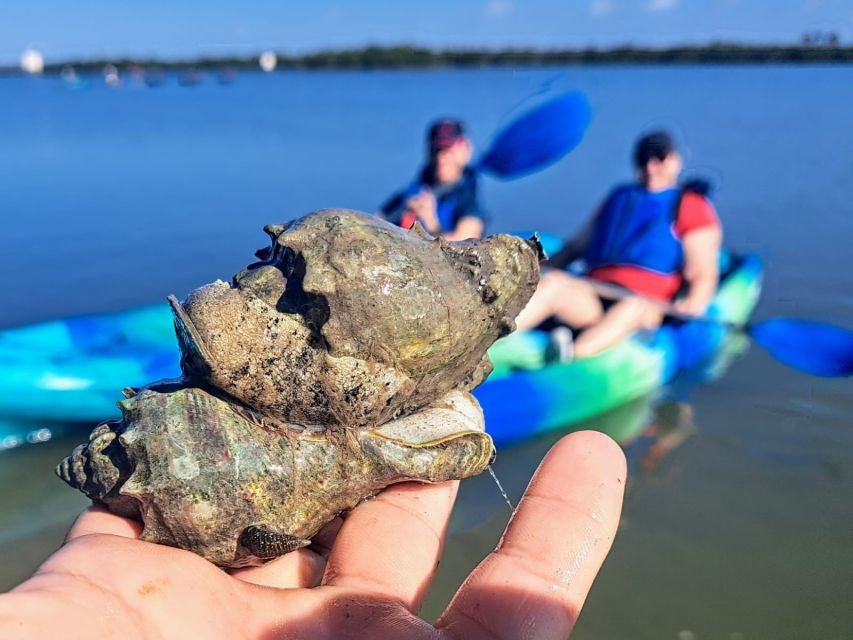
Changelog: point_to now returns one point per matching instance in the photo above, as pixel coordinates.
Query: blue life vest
(635, 228)
(445, 206)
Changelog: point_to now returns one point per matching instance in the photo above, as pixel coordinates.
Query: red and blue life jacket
(635, 227)
(453, 201)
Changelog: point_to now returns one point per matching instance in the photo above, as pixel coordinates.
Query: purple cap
(443, 134)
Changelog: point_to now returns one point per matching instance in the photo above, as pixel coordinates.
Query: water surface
(114, 198)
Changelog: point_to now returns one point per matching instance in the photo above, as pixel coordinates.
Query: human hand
(105, 583)
(691, 306)
(425, 208)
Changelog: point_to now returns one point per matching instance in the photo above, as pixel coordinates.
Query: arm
(422, 207)
(467, 227)
(701, 268)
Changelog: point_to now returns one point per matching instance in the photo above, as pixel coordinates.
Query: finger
(323, 542)
(389, 547)
(98, 520)
(298, 569)
(552, 549)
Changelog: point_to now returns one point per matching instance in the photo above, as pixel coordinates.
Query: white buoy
(268, 61)
(32, 61)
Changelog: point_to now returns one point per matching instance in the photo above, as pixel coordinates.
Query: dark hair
(655, 145)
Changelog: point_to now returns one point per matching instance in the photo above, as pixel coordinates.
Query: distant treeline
(374, 57)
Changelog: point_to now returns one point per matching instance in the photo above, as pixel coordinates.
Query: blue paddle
(532, 141)
(538, 138)
(811, 347)
(817, 348)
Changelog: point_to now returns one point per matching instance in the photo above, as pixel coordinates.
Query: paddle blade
(812, 347)
(538, 138)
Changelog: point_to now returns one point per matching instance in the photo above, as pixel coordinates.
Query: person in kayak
(443, 197)
(653, 237)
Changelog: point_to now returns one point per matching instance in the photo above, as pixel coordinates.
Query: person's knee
(651, 315)
(553, 280)
(643, 313)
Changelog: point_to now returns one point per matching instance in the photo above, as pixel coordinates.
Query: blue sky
(188, 28)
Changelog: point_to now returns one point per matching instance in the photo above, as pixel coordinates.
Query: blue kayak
(526, 396)
(73, 370)
(63, 373)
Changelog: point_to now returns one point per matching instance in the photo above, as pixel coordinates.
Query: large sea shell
(337, 365)
(205, 474)
(350, 321)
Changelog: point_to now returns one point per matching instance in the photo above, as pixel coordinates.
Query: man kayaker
(443, 197)
(653, 238)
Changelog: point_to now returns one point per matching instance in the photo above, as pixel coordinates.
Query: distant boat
(137, 74)
(154, 77)
(71, 78)
(190, 77)
(111, 75)
(32, 62)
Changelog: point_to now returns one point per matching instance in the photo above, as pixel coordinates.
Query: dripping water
(501, 489)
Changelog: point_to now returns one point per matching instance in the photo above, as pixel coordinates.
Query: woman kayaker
(651, 237)
(444, 195)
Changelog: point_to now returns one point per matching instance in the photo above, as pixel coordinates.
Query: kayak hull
(73, 370)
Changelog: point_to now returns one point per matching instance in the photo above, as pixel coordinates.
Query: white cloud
(600, 7)
(661, 5)
(498, 8)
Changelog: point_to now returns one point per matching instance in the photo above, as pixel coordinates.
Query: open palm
(104, 582)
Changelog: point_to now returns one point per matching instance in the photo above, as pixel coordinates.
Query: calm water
(112, 198)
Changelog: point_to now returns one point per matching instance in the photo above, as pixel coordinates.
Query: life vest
(635, 228)
(447, 199)
(445, 207)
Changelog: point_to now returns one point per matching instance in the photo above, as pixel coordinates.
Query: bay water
(738, 519)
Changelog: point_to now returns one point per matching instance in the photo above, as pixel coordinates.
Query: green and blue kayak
(72, 370)
(63, 373)
(524, 396)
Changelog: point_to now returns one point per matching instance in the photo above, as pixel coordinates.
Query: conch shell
(349, 321)
(203, 474)
(337, 365)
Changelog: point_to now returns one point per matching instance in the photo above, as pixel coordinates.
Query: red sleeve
(694, 213)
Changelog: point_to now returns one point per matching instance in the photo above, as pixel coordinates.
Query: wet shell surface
(204, 474)
(349, 321)
(337, 364)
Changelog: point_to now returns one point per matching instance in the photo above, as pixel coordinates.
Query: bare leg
(622, 319)
(569, 299)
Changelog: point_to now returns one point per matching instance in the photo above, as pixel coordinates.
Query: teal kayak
(72, 371)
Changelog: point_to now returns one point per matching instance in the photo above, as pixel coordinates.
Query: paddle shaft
(615, 292)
